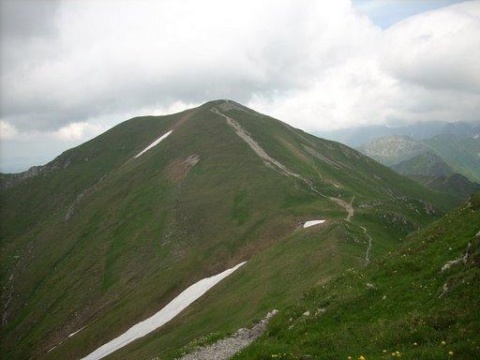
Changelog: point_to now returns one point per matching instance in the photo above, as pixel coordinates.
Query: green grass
(402, 310)
(139, 235)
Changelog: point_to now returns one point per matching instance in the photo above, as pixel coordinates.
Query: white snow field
(156, 142)
(172, 309)
(312, 222)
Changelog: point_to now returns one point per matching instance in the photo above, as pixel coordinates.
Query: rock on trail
(224, 349)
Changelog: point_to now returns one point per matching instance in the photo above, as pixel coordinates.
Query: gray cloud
(109, 58)
(28, 18)
(313, 64)
(438, 57)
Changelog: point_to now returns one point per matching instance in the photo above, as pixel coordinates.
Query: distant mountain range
(442, 156)
(111, 231)
(362, 135)
(430, 170)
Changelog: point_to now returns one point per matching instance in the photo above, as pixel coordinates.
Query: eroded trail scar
(347, 206)
(369, 246)
(267, 159)
(274, 164)
(225, 348)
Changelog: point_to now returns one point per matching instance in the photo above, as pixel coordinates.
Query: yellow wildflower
(450, 353)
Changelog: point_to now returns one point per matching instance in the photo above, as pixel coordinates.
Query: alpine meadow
(352, 255)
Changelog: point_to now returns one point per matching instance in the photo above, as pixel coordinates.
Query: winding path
(347, 206)
(273, 163)
(369, 246)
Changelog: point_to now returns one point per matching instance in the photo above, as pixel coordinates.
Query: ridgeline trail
(276, 165)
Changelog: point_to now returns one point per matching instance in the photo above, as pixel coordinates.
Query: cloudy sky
(72, 69)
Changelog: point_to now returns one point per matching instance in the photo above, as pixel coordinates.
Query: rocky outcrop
(61, 162)
(224, 349)
(393, 149)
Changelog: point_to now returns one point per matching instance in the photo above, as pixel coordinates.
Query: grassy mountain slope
(456, 185)
(461, 153)
(420, 301)
(430, 170)
(435, 154)
(426, 164)
(100, 239)
(445, 162)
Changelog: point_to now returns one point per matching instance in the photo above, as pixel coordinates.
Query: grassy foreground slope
(103, 240)
(421, 301)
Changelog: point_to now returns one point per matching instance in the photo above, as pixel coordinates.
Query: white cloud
(78, 131)
(314, 64)
(437, 50)
(7, 131)
(109, 57)
(424, 68)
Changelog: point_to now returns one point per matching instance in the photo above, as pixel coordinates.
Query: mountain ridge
(445, 162)
(362, 135)
(124, 235)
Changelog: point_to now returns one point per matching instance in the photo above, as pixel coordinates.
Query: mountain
(393, 149)
(111, 231)
(362, 135)
(426, 164)
(461, 153)
(420, 301)
(456, 185)
(430, 170)
(444, 162)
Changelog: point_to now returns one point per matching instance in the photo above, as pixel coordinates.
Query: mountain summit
(111, 231)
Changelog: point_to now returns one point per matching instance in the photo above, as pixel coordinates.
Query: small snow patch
(156, 142)
(312, 223)
(76, 332)
(172, 309)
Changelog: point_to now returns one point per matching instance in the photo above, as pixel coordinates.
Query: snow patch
(156, 142)
(312, 223)
(76, 332)
(172, 309)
